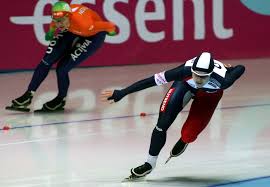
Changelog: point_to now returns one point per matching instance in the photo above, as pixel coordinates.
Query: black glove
(117, 95)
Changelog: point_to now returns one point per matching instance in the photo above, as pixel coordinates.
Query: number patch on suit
(219, 68)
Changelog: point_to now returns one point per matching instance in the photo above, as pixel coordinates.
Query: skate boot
(22, 103)
(178, 149)
(55, 105)
(140, 172)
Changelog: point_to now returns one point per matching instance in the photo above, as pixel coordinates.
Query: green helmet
(61, 6)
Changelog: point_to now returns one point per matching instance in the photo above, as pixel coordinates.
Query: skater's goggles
(59, 16)
(201, 74)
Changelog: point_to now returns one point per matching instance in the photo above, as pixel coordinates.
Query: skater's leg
(82, 49)
(176, 98)
(174, 101)
(201, 111)
(57, 48)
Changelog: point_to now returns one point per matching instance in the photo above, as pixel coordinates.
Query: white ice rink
(95, 144)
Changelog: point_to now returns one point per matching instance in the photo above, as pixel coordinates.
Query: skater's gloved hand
(112, 33)
(115, 95)
(49, 35)
(228, 65)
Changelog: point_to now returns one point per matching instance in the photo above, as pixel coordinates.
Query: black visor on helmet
(203, 64)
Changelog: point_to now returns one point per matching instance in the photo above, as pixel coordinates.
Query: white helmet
(203, 64)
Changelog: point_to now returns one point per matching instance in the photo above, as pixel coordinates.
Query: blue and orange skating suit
(86, 22)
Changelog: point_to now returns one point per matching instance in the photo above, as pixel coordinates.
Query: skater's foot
(24, 100)
(22, 103)
(55, 105)
(178, 149)
(140, 171)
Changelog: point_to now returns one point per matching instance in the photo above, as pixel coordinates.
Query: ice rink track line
(241, 181)
(59, 138)
(123, 117)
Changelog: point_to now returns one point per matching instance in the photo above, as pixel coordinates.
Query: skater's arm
(117, 95)
(155, 80)
(175, 73)
(232, 75)
(104, 26)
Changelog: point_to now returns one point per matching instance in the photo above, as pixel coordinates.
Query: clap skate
(18, 108)
(177, 150)
(139, 172)
(21, 103)
(55, 105)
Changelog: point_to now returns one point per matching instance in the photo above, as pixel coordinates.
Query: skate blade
(20, 109)
(133, 178)
(44, 111)
(168, 159)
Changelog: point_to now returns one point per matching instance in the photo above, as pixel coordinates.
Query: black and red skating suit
(184, 89)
